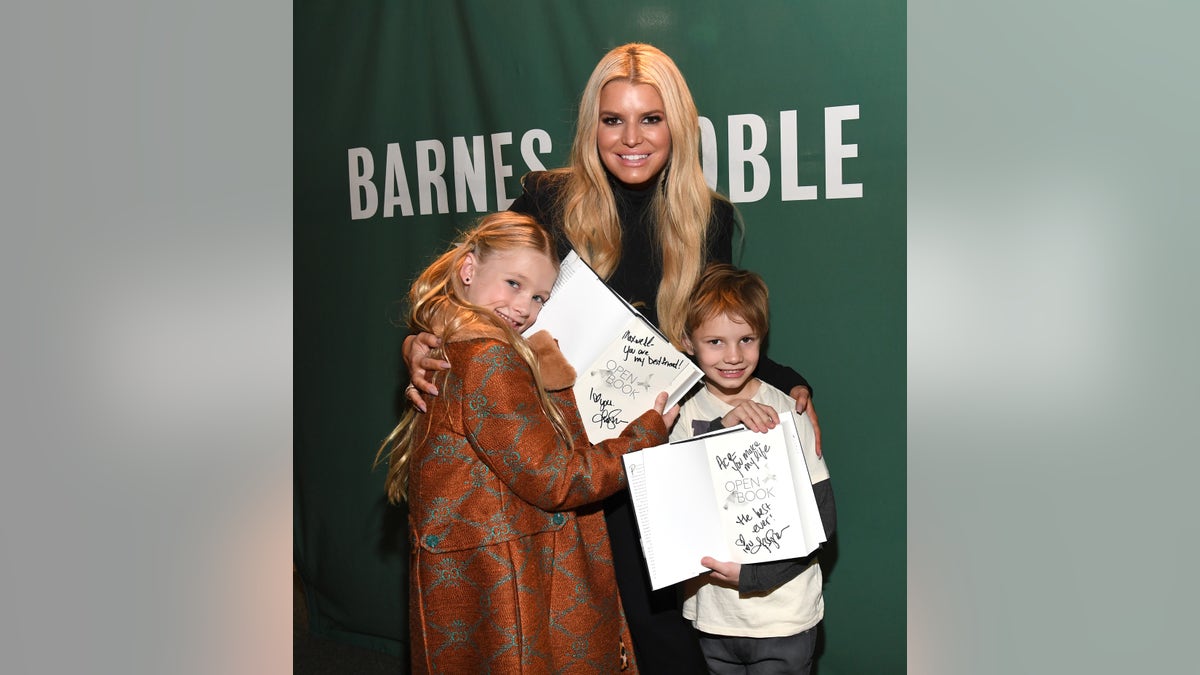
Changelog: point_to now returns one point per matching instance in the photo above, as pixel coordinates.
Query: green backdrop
(408, 116)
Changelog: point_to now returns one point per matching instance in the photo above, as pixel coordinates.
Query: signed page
(622, 362)
(624, 379)
(768, 510)
(738, 497)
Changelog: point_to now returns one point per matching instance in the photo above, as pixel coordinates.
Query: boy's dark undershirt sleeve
(766, 577)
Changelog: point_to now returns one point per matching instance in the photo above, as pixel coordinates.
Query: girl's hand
(416, 357)
(757, 417)
(727, 572)
(669, 416)
(804, 406)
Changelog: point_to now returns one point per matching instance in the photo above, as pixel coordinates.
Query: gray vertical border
(145, 350)
(1052, 321)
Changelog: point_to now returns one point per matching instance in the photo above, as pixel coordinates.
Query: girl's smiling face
(514, 284)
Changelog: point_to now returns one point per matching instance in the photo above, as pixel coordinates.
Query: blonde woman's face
(632, 136)
(514, 284)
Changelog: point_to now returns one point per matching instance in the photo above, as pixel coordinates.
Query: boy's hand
(804, 406)
(757, 417)
(727, 572)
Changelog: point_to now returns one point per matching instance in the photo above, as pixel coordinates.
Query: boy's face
(726, 349)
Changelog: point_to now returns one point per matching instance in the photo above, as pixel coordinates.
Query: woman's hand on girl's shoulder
(420, 364)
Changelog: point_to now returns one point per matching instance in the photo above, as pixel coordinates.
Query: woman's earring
(467, 280)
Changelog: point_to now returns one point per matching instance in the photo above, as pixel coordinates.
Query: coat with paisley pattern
(510, 569)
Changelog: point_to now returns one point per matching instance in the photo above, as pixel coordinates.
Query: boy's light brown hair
(725, 289)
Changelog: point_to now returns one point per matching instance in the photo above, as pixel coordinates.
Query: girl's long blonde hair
(682, 201)
(438, 305)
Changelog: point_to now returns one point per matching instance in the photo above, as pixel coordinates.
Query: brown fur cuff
(556, 372)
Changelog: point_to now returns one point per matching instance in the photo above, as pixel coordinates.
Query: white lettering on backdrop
(749, 171)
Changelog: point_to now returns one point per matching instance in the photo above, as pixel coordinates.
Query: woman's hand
(804, 405)
(727, 572)
(757, 417)
(669, 416)
(416, 357)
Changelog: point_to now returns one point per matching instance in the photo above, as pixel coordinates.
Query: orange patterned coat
(511, 570)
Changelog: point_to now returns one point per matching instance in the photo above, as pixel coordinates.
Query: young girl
(510, 569)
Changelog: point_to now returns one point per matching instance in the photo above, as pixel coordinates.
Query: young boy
(754, 618)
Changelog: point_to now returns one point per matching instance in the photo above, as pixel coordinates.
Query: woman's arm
(787, 380)
(780, 376)
(421, 367)
(526, 202)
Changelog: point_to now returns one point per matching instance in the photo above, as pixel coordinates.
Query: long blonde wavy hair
(438, 305)
(682, 201)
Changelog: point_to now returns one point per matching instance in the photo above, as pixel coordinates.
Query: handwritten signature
(608, 417)
(766, 541)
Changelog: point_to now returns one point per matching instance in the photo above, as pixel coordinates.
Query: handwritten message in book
(735, 495)
(622, 362)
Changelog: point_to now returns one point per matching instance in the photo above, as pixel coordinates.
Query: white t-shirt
(789, 609)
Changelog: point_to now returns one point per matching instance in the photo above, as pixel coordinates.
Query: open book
(621, 360)
(735, 495)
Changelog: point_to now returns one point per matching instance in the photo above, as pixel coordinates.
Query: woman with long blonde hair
(634, 204)
(510, 569)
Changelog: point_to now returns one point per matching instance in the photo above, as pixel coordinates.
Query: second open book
(621, 360)
(735, 495)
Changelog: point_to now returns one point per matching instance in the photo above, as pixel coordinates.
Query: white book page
(627, 376)
(683, 512)
(751, 475)
(806, 440)
(622, 362)
(806, 469)
(583, 314)
(635, 473)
